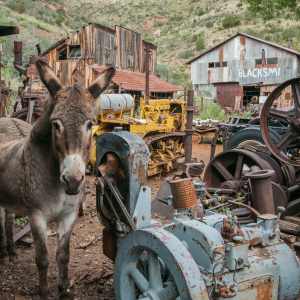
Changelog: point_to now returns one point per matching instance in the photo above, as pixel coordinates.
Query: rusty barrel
(183, 192)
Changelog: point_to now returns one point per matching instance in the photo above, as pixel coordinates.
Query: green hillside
(181, 29)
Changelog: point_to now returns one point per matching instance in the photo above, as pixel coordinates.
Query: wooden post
(1, 76)
(147, 75)
(189, 127)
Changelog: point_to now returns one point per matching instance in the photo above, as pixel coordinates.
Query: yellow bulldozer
(160, 122)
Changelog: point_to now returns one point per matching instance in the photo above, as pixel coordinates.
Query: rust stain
(221, 54)
(209, 75)
(264, 291)
(242, 40)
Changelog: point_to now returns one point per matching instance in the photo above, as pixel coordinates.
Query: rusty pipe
(262, 191)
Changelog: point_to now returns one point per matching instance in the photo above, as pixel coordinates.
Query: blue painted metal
(186, 276)
(190, 258)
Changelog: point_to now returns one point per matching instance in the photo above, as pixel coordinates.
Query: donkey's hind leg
(39, 232)
(3, 243)
(9, 228)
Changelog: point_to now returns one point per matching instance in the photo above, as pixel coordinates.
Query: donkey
(42, 174)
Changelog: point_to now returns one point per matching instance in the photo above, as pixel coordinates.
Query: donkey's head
(71, 122)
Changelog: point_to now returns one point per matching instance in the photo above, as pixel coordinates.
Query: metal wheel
(152, 264)
(229, 169)
(288, 148)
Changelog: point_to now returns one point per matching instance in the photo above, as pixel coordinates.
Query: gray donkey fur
(42, 169)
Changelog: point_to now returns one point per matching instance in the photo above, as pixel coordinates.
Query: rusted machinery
(160, 122)
(4, 89)
(228, 172)
(197, 254)
(32, 95)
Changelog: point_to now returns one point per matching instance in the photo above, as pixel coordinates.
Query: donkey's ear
(48, 77)
(102, 82)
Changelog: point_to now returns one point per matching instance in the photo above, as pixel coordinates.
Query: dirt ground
(91, 272)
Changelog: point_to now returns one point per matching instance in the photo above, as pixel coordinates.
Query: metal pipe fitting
(262, 192)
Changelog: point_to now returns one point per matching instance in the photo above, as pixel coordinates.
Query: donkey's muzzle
(73, 184)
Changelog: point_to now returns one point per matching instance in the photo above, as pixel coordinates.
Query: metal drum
(114, 103)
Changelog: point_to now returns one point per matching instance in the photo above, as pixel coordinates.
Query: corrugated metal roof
(135, 81)
(292, 51)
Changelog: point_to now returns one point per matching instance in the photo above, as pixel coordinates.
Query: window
(272, 61)
(74, 51)
(62, 53)
(217, 64)
(258, 62)
(268, 61)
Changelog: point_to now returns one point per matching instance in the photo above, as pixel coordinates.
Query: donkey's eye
(57, 126)
(89, 125)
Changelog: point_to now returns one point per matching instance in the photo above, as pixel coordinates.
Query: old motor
(193, 255)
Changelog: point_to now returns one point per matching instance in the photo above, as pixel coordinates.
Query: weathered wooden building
(95, 45)
(243, 67)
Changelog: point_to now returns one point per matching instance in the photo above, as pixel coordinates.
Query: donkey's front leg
(9, 228)
(39, 231)
(3, 247)
(65, 227)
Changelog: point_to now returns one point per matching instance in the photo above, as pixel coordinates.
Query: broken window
(217, 64)
(266, 62)
(272, 61)
(258, 62)
(62, 53)
(74, 51)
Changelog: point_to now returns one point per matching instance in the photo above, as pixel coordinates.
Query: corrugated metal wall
(240, 54)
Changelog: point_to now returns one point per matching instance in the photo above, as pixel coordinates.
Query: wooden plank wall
(101, 45)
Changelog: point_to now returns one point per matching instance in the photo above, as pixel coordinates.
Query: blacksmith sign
(261, 74)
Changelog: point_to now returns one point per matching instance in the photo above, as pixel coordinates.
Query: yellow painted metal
(160, 116)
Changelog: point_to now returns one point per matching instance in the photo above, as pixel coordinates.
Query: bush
(199, 12)
(209, 24)
(211, 110)
(186, 54)
(17, 5)
(200, 42)
(230, 21)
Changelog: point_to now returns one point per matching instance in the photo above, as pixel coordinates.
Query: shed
(241, 68)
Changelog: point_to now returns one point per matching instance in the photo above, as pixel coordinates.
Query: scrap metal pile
(228, 173)
(197, 252)
(224, 237)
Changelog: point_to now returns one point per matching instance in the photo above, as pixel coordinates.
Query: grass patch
(200, 41)
(208, 109)
(231, 21)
